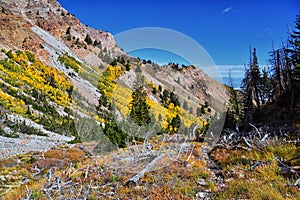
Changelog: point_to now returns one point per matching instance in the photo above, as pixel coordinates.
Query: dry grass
(262, 182)
(176, 179)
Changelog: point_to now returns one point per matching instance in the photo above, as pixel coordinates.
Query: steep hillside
(42, 33)
(63, 83)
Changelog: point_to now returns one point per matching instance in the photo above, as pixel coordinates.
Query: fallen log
(134, 180)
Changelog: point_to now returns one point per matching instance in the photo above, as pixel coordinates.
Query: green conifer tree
(139, 109)
(88, 39)
(295, 58)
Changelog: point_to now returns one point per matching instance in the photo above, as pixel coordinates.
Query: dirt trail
(215, 174)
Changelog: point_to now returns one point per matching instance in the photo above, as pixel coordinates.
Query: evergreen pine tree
(165, 98)
(114, 133)
(139, 109)
(276, 67)
(250, 87)
(255, 79)
(267, 86)
(295, 58)
(175, 124)
(68, 32)
(174, 99)
(88, 39)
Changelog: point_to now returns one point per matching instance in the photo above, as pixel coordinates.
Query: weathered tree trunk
(134, 180)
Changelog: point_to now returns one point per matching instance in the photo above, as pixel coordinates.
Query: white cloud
(226, 10)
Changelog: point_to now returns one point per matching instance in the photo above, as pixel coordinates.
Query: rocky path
(215, 175)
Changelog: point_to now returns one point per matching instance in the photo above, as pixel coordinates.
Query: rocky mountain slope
(56, 38)
(62, 82)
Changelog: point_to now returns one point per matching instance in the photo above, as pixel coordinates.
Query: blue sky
(225, 28)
